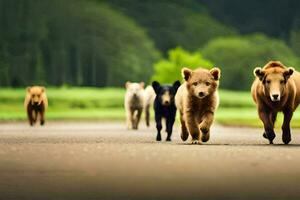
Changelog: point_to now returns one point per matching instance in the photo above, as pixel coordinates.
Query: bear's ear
(142, 84)
(127, 84)
(156, 86)
(186, 73)
(216, 73)
(288, 72)
(258, 72)
(28, 89)
(43, 89)
(176, 85)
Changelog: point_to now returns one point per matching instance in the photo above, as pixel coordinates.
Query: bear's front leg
(138, 117)
(158, 126)
(169, 124)
(286, 131)
(30, 115)
(205, 125)
(184, 132)
(129, 119)
(193, 128)
(268, 125)
(42, 114)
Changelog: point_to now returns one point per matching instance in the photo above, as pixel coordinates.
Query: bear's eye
(268, 81)
(282, 82)
(195, 83)
(207, 83)
(33, 95)
(38, 96)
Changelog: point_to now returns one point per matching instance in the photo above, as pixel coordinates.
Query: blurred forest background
(107, 42)
(85, 50)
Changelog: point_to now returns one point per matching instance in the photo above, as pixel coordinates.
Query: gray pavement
(97, 160)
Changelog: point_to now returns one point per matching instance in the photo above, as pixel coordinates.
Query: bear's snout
(275, 97)
(201, 94)
(166, 103)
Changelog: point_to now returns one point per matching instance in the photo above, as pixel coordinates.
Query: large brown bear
(36, 103)
(197, 100)
(276, 89)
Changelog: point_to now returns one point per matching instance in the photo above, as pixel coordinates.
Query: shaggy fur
(164, 107)
(149, 97)
(133, 103)
(197, 100)
(276, 89)
(36, 103)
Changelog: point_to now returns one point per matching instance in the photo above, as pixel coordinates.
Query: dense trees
(172, 23)
(272, 17)
(106, 42)
(238, 56)
(71, 42)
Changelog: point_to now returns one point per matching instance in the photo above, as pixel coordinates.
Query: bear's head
(274, 79)
(135, 90)
(165, 93)
(201, 82)
(36, 94)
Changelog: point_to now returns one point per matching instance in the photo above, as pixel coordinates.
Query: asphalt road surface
(96, 160)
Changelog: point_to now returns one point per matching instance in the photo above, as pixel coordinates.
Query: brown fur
(36, 103)
(197, 100)
(276, 89)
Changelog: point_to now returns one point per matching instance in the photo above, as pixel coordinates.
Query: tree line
(107, 42)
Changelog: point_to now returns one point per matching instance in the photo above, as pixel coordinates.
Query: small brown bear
(276, 89)
(36, 103)
(197, 100)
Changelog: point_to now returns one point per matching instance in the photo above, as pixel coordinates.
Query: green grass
(236, 108)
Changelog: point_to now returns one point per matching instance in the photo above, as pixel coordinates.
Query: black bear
(164, 107)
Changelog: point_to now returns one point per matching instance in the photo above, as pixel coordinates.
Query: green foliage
(73, 42)
(174, 23)
(256, 16)
(169, 70)
(295, 41)
(238, 56)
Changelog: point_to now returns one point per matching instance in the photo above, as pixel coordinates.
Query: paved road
(90, 161)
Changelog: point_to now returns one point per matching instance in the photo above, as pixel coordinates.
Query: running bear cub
(164, 107)
(36, 103)
(197, 100)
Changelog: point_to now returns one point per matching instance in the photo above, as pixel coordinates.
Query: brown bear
(197, 100)
(134, 103)
(276, 89)
(36, 103)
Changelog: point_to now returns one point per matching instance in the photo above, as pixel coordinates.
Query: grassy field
(236, 108)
